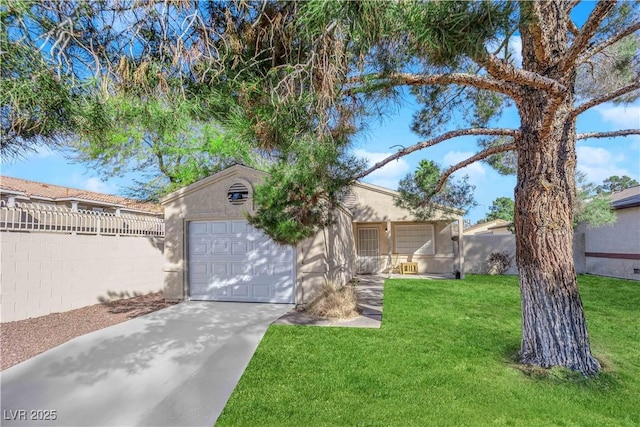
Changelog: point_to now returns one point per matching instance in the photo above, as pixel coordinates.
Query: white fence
(61, 219)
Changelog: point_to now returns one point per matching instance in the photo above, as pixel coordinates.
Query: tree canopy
(501, 208)
(616, 183)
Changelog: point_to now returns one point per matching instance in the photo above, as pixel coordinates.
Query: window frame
(430, 229)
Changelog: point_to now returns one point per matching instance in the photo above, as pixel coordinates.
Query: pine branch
(605, 98)
(507, 72)
(410, 79)
(608, 42)
(573, 28)
(437, 140)
(587, 32)
(612, 134)
(480, 156)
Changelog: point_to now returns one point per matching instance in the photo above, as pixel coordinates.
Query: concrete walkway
(369, 292)
(174, 367)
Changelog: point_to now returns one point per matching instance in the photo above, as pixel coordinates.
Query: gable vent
(348, 199)
(238, 194)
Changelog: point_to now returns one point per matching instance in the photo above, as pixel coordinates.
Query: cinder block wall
(42, 273)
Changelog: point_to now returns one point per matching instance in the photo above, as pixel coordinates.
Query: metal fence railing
(61, 219)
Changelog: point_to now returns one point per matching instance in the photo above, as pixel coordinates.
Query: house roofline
(90, 201)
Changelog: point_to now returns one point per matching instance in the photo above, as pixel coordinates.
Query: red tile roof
(40, 190)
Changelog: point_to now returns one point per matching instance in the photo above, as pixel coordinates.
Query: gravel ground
(23, 339)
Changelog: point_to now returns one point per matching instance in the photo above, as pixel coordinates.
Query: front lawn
(444, 356)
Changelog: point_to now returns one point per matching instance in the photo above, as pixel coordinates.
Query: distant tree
(417, 192)
(501, 208)
(616, 183)
(592, 207)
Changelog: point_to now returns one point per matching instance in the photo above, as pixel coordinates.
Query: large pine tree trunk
(554, 330)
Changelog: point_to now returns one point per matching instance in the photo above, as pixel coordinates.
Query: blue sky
(598, 158)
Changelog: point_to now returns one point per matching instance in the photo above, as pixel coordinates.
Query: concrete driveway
(174, 367)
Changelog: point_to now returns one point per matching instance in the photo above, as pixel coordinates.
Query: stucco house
(212, 253)
(496, 226)
(614, 249)
(14, 191)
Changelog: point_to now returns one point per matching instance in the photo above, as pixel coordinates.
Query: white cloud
(515, 50)
(475, 170)
(599, 164)
(621, 116)
(94, 184)
(91, 184)
(387, 176)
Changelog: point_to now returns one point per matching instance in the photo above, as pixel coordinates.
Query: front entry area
(368, 250)
(233, 261)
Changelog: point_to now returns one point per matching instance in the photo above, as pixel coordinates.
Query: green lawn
(444, 356)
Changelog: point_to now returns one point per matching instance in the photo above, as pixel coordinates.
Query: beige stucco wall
(489, 227)
(621, 237)
(376, 204)
(327, 256)
(477, 249)
(42, 273)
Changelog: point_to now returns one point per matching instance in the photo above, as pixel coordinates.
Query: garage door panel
(241, 263)
(219, 247)
(198, 228)
(220, 269)
(199, 249)
(199, 267)
(219, 227)
(240, 248)
(239, 227)
(261, 291)
(240, 291)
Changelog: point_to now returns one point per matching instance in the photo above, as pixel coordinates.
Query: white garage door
(233, 261)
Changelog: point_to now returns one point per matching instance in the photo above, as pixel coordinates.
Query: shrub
(335, 302)
(499, 262)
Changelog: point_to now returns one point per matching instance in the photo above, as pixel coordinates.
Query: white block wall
(42, 273)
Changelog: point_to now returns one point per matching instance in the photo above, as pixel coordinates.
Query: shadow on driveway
(177, 366)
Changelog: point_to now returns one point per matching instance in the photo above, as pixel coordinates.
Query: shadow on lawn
(605, 380)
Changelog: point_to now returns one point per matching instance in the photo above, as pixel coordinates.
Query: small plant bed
(445, 356)
(335, 303)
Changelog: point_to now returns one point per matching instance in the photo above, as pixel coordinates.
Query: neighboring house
(64, 248)
(212, 253)
(496, 226)
(15, 190)
(614, 250)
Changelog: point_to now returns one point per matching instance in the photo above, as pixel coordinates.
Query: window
(415, 239)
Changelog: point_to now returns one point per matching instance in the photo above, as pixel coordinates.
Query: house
(614, 249)
(496, 226)
(212, 253)
(14, 191)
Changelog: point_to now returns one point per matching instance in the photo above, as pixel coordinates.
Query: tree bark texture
(554, 329)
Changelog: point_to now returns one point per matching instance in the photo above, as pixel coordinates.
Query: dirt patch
(23, 339)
